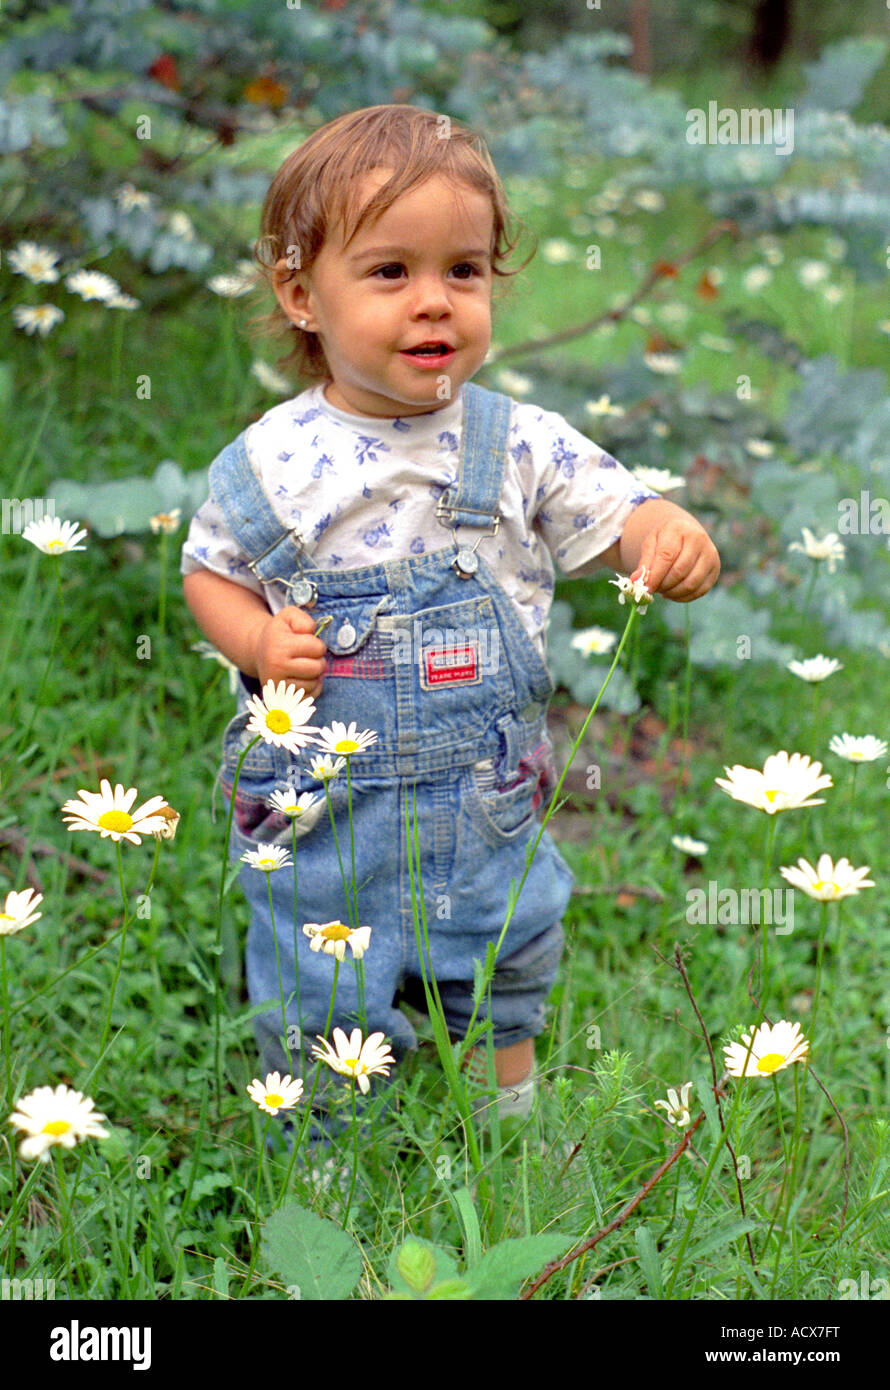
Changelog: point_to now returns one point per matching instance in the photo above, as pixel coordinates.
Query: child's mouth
(430, 354)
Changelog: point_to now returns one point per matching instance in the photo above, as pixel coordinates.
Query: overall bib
(429, 652)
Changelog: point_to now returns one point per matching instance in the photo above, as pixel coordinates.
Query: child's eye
(462, 265)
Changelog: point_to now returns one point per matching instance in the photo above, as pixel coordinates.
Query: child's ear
(290, 292)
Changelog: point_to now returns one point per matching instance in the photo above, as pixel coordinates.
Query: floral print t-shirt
(362, 490)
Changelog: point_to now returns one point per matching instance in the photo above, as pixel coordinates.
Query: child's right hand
(287, 650)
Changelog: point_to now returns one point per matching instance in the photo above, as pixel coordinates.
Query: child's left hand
(680, 556)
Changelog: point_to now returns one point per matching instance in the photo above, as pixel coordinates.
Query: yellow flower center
(274, 1101)
(55, 545)
(336, 932)
(6, 917)
(115, 820)
(351, 1063)
(772, 793)
(56, 1127)
(267, 863)
(770, 1063)
(347, 745)
(278, 721)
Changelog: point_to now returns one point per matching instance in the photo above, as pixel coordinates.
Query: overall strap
(473, 500)
(251, 520)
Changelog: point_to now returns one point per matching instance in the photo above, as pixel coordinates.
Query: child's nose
(431, 295)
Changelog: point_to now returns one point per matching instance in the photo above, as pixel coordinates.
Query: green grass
(166, 1208)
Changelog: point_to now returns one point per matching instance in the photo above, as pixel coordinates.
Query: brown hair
(315, 188)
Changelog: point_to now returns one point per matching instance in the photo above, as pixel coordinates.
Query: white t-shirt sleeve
(584, 495)
(210, 545)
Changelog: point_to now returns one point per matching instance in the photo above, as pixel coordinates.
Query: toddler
(420, 515)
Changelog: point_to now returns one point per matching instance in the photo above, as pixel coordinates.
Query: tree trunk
(771, 32)
(638, 19)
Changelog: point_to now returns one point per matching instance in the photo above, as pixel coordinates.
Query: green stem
(822, 926)
(764, 932)
(354, 1156)
(706, 1177)
(530, 854)
(217, 945)
(795, 1144)
(7, 1053)
(162, 621)
(810, 587)
(120, 957)
(52, 651)
(308, 1117)
(255, 1247)
(295, 933)
(290, 1060)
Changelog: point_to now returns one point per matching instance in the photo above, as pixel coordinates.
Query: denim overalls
(427, 651)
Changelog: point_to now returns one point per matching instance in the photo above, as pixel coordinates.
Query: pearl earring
(302, 323)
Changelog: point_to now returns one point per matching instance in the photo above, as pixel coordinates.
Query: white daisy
(209, 652)
(297, 807)
(604, 406)
(129, 197)
(277, 1094)
(687, 845)
(169, 821)
(658, 479)
(92, 284)
(827, 548)
(662, 363)
(760, 448)
(338, 739)
(677, 1105)
(786, 782)
(271, 380)
(168, 522)
(18, 911)
(108, 813)
(557, 251)
(54, 536)
(815, 668)
(828, 882)
(333, 937)
(323, 769)
(268, 858)
(37, 318)
(774, 1047)
(59, 1116)
(36, 263)
(180, 224)
(513, 383)
(354, 1058)
(633, 590)
(123, 301)
(858, 750)
(280, 716)
(811, 273)
(230, 286)
(594, 641)
(757, 278)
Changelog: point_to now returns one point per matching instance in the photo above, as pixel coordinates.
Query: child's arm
(238, 622)
(676, 549)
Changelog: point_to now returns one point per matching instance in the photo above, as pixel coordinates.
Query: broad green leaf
(503, 1269)
(649, 1260)
(311, 1252)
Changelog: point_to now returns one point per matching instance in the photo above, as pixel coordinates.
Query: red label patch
(451, 665)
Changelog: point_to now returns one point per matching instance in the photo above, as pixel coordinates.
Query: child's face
(420, 273)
